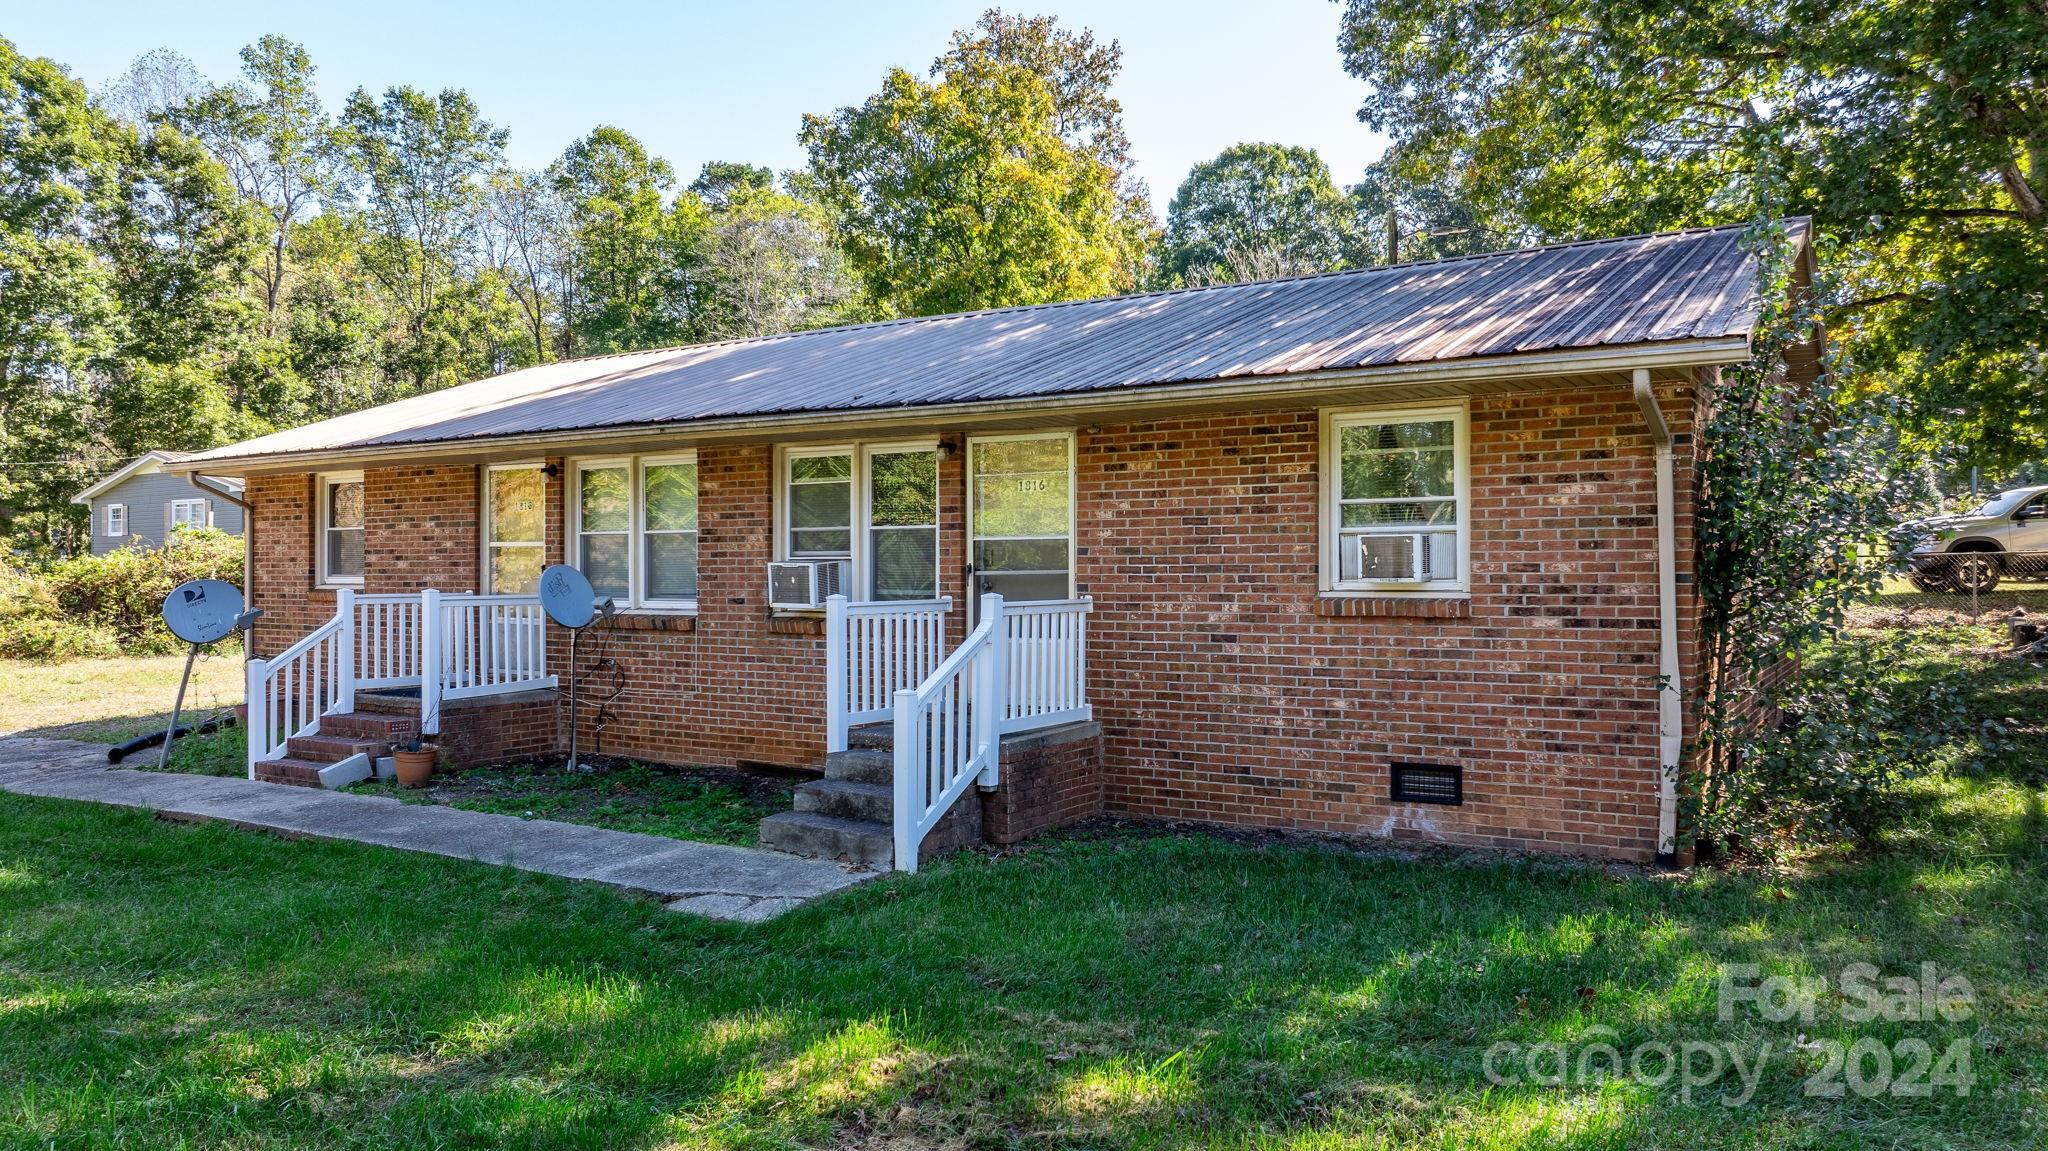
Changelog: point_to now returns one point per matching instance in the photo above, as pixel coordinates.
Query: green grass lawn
(164, 985)
(710, 806)
(110, 700)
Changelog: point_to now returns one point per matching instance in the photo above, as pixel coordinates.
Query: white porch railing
(1047, 663)
(475, 644)
(1024, 666)
(949, 732)
(876, 650)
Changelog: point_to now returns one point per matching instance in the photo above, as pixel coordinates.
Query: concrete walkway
(737, 883)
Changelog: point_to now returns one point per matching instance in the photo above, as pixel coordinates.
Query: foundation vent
(1428, 783)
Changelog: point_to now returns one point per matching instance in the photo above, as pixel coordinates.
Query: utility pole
(1393, 236)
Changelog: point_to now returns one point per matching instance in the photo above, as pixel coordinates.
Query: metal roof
(1673, 286)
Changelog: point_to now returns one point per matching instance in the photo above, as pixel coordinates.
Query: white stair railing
(874, 650)
(288, 694)
(475, 644)
(948, 733)
(1047, 673)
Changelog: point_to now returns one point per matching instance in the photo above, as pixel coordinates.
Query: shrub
(53, 640)
(123, 591)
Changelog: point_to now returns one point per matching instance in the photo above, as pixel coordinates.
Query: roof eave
(1698, 352)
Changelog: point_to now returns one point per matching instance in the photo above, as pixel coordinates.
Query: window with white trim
(340, 499)
(874, 505)
(515, 528)
(191, 514)
(1396, 499)
(117, 520)
(633, 529)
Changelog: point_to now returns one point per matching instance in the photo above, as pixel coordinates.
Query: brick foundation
(1049, 779)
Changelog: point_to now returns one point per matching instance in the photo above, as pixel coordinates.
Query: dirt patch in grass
(707, 804)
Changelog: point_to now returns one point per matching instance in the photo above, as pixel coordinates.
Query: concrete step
(333, 748)
(369, 725)
(861, 765)
(848, 799)
(874, 736)
(296, 772)
(382, 703)
(829, 837)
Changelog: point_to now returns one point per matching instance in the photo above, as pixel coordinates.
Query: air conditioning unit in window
(796, 585)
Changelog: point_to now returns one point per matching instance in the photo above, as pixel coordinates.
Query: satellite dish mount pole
(163, 758)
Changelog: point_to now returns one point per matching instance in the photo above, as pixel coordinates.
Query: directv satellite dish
(203, 610)
(200, 612)
(567, 597)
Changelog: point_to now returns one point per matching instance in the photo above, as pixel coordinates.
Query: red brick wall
(1228, 690)
(1048, 780)
(421, 529)
(1225, 694)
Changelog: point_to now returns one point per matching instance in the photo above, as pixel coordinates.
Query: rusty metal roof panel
(1603, 293)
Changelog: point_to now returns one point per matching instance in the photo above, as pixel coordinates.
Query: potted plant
(413, 762)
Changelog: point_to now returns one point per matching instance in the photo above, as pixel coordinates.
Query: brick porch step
(387, 703)
(370, 725)
(830, 837)
(328, 748)
(296, 772)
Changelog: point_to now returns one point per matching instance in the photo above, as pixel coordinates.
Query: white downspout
(1670, 722)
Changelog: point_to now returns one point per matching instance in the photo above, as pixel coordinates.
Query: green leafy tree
(277, 143)
(525, 241)
(1914, 134)
(1000, 180)
(1254, 212)
(613, 195)
(1425, 210)
(422, 162)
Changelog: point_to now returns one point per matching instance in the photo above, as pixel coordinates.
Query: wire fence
(1978, 586)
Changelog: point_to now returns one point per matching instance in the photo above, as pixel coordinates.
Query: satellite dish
(203, 610)
(567, 597)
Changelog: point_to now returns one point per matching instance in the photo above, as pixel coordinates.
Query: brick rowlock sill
(1403, 606)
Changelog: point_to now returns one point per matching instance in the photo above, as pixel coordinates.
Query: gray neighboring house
(141, 504)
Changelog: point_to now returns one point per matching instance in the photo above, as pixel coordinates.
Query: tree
(1254, 212)
(612, 193)
(768, 260)
(422, 161)
(57, 309)
(523, 239)
(1426, 209)
(276, 141)
(721, 181)
(1000, 181)
(1915, 136)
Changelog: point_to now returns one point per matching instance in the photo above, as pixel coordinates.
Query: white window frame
(484, 541)
(636, 530)
(181, 516)
(321, 484)
(116, 521)
(1331, 488)
(859, 558)
(1073, 500)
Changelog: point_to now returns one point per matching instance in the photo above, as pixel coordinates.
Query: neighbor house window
(341, 528)
(1395, 490)
(875, 506)
(515, 533)
(633, 523)
(191, 514)
(117, 520)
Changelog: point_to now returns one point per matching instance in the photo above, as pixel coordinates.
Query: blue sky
(731, 81)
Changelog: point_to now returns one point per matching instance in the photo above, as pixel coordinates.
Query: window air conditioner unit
(797, 585)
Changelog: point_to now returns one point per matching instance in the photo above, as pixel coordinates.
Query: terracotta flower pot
(414, 768)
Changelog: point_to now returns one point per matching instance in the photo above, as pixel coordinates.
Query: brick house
(1403, 551)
